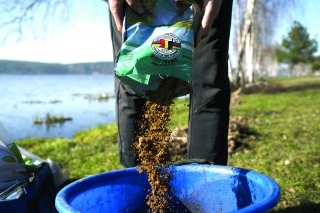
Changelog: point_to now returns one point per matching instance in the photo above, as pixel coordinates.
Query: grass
(90, 152)
(287, 146)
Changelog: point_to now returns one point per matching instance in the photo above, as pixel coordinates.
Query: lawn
(286, 146)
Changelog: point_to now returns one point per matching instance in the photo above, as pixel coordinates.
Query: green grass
(179, 117)
(287, 146)
(90, 152)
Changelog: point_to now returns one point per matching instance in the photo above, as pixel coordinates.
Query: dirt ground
(238, 137)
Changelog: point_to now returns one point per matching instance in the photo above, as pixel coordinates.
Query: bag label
(159, 43)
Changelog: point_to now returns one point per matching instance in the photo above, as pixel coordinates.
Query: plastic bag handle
(191, 161)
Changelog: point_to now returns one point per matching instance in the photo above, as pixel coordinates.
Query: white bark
(256, 22)
(249, 58)
(230, 73)
(238, 22)
(245, 35)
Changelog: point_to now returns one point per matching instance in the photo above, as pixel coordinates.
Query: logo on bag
(166, 46)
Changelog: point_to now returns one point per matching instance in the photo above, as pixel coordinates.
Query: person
(210, 100)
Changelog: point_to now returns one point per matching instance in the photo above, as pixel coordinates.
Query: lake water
(24, 98)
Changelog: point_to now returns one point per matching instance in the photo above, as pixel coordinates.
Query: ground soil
(262, 87)
(238, 138)
(239, 134)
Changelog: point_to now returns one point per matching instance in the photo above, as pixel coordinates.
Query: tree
(316, 64)
(243, 37)
(18, 17)
(255, 30)
(297, 47)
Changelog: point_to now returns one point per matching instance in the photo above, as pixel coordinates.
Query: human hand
(117, 8)
(210, 10)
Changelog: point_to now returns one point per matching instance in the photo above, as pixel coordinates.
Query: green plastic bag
(157, 44)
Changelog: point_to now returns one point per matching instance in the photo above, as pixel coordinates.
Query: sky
(82, 37)
(308, 14)
(85, 36)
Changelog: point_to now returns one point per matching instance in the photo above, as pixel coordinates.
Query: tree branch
(18, 16)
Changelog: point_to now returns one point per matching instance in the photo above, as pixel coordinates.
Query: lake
(24, 98)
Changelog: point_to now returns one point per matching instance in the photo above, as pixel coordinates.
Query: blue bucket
(194, 188)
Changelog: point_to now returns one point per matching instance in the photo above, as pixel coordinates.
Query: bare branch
(18, 17)
(257, 22)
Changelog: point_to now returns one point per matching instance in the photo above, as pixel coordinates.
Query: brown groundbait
(152, 142)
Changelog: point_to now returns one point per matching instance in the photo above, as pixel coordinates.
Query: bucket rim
(270, 200)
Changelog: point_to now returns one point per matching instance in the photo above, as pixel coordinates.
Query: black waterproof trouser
(209, 102)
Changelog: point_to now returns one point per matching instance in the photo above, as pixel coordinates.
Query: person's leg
(128, 107)
(209, 103)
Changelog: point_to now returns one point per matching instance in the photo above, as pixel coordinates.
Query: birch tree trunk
(238, 22)
(245, 33)
(256, 22)
(249, 57)
(230, 71)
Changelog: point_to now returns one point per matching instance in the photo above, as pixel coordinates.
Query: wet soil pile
(238, 138)
(239, 133)
(263, 87)
(152, 142)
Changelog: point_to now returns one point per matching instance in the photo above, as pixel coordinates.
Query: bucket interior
(194, 188)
